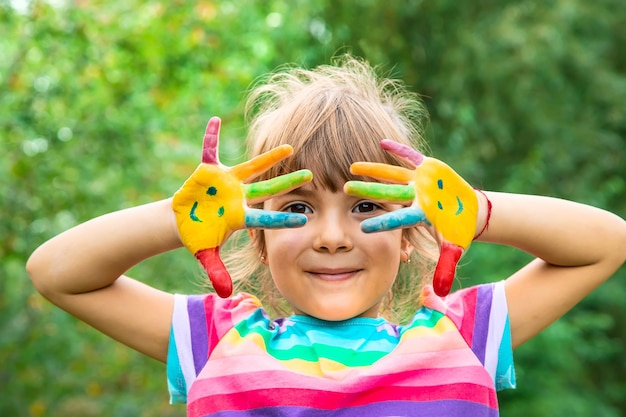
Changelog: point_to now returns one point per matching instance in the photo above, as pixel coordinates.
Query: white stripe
(182, 335)
(497, 322)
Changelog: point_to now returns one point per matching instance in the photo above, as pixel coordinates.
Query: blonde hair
(332, 116)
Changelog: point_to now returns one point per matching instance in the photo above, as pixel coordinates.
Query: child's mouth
(335, 274)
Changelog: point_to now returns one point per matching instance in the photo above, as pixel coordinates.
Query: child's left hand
(438, 197)
(213, 203)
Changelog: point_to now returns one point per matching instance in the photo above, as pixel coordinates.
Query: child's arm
(577, 248)
(81, 271)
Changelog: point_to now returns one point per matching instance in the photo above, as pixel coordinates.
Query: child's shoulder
(217, 309)
(468, 304)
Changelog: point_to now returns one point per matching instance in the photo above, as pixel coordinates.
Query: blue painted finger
(399, 219)
(264, 219)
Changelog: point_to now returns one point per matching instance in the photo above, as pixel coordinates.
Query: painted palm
(212, 203)
(437, 195)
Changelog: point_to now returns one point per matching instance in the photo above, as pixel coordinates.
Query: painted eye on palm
(212, 203)
(438, 196)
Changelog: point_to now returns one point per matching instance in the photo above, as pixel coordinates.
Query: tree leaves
(104, 103)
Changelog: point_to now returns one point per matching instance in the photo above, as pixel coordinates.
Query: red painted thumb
(219, 276)
(446, 268)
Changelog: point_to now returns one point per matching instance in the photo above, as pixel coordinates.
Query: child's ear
(406, 248)
(257, 238)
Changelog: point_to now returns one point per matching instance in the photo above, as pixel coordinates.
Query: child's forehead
(309, 189)
(329, 164)
(313, 193)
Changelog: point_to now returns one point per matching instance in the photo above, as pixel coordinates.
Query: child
(330, 351)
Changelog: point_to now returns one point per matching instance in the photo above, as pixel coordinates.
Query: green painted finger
(377, 191)
(277, 185)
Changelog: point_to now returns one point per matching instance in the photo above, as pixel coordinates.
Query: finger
(217, 272)
(446, 268)
(264, 219)
(261, 163)
(405, 152)
(380, 171)
(277, 185)
(211, 140)
(399, 219)
(392, 193)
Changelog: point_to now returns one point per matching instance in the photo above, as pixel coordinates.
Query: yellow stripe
(444, 325)
(235, 339)
(323, 368)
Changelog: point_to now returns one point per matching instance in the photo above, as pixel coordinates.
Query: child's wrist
(484, 213)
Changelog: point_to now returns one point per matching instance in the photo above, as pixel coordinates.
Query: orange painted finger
(391, 173)
(257, 165)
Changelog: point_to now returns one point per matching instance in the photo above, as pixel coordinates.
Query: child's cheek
(286, 240)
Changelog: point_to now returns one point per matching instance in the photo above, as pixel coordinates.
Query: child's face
(329, 268)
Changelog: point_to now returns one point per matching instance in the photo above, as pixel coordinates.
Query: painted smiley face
(459, 203)
(214, 214)
(449, 202)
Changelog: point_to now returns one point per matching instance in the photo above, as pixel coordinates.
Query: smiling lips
(334, 274)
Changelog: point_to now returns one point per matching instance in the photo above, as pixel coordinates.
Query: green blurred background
(103, 106)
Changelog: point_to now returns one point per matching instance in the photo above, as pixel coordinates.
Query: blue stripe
(348, 335)
(175, 379)
(505, 371)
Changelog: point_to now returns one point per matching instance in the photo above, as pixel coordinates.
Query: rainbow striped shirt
(227, 358)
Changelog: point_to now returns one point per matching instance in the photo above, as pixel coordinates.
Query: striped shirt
(227, 358)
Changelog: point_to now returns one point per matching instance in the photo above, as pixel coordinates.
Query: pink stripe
(242, 363)
(355, 382)
(469, 312)
(212, 335)
(225, 313)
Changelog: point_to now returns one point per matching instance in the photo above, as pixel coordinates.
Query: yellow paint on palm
(448, 200)
(214, 214)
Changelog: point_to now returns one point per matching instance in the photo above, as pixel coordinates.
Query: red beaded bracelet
(489, 206)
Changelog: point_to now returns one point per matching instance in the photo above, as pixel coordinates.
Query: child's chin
(335, 314)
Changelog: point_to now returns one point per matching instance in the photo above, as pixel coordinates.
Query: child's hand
(212, 204)
(438, 197)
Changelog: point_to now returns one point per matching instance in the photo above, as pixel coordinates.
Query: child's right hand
(212, 203)
(438, 196)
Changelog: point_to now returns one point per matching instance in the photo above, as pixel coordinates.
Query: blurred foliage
(102, 107)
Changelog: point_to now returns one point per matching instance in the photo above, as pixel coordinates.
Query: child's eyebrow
(301, 191)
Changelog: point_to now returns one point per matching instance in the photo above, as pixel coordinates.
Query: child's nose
(333, 234)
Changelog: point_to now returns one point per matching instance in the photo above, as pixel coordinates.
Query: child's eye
(297, 208)
(366, 207)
